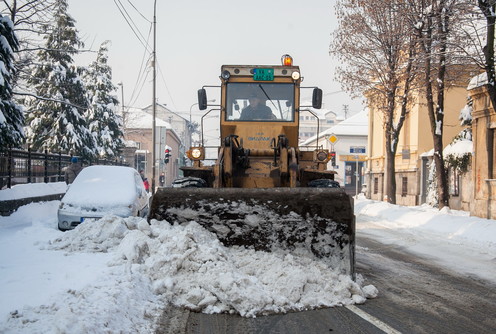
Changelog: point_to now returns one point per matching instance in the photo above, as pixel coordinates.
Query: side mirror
(202, 99)
(317, 98)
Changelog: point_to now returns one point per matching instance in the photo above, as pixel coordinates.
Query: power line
(136, 9)
(129, 20)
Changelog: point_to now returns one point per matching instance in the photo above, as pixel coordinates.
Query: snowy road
(418, 296)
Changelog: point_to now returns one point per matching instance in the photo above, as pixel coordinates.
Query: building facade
(483, 169)
(138, 134)
(414, 151)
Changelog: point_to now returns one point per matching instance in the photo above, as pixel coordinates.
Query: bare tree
(439, 51)
(31, 19)
(377, 50)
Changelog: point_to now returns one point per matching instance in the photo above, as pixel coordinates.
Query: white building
(309, 123)
(349, 140)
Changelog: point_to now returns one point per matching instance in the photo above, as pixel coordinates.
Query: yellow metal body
(261, 153)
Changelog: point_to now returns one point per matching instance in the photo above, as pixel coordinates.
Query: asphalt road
(415, 296)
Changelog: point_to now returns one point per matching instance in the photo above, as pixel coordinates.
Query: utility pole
(154, 102)
(345, 109)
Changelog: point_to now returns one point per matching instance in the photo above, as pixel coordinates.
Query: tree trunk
(441, 174)
(488, 9)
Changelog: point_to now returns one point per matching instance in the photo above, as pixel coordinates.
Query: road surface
(415, 296)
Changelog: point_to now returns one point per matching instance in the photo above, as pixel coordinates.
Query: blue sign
(357, 149)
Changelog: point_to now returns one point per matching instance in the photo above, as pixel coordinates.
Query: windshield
(260, 101)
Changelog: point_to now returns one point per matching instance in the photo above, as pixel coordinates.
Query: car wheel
(323, 183)
(189, 182)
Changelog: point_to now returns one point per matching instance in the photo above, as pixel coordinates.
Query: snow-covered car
(103, 190)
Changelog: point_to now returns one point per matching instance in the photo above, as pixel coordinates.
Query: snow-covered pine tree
(104, 124)
(11, 114)
(55, 118)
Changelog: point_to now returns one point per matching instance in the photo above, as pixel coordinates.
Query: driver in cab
(256, 109)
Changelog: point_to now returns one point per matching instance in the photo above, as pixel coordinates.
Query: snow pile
(189, 267)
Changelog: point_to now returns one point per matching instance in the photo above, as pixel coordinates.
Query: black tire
(323, 183)
(189, 182)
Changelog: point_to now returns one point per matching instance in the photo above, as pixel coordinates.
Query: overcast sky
(195, 38)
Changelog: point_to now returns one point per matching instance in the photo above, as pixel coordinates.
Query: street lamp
(122, 105)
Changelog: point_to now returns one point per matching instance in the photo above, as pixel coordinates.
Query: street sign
(357, 149)
(333, 138)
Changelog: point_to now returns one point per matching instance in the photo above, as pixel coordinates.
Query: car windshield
(260, 101)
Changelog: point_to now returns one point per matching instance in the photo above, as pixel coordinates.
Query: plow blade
(320, 220)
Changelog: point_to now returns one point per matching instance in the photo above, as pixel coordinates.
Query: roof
(356, 125)
(143, 120)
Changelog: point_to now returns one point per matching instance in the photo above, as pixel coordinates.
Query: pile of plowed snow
(189, 267)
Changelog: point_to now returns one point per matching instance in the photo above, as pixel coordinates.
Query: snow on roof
(143, 120)
(477, 81)
(458, 148)
(356, 125)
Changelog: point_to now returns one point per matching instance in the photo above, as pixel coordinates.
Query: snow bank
(451, 238)
(32, 190)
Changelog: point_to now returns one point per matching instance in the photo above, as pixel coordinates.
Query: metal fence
(24, 166)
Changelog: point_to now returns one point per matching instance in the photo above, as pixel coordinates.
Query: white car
(102, 190)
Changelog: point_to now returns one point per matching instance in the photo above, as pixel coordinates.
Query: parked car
(101, 190)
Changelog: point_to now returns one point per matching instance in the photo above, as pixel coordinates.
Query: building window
(330, 121)
(404, 186)
(376, 185)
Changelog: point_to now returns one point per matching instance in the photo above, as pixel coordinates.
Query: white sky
(194, 38)
(73, 282)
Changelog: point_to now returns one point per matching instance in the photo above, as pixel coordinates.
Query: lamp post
(122, 105)
(194, 104)
(190, 120)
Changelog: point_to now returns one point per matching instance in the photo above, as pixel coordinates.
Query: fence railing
(25, 166)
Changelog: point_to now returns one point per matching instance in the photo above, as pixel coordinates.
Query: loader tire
(189, 182)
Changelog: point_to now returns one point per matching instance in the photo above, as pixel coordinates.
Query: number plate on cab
(263, 74)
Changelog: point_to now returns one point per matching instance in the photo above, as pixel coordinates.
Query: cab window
(260, 102)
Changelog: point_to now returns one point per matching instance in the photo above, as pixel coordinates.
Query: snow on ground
(451, 238)
(117, 274)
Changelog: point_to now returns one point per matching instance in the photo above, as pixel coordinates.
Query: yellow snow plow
(263, 192)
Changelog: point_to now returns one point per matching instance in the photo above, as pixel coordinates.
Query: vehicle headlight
(196, 153)
(321, 156)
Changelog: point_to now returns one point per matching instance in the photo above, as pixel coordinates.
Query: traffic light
(167, 155)
(333, 158)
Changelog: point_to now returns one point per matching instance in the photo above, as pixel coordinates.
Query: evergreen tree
(11, 114)
(104, 124)
(55, 118)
